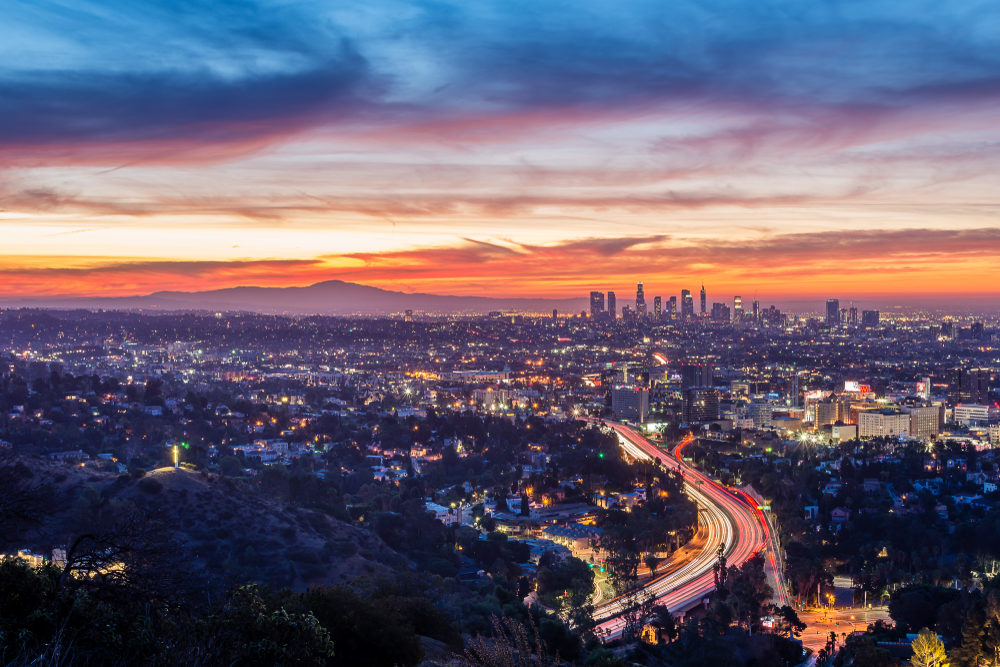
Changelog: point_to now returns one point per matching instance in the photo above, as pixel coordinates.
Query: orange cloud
(911, 262)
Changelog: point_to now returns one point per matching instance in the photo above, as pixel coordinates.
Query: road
(728, 517)
(843, 621)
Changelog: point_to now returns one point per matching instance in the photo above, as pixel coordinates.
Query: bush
(149, 485)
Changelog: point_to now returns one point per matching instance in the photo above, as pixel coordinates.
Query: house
(871, 487)
(840, 515)
(832, 488)
(931, 485)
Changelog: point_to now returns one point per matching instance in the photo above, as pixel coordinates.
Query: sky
(771, 148)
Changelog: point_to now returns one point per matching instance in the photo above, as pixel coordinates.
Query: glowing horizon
(495, 148)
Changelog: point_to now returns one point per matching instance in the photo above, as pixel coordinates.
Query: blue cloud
(140, 70)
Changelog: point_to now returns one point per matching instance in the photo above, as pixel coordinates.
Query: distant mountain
(331, 297)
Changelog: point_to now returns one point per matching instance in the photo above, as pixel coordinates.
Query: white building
(630, 402)
(761, 414)
(971, 414)
(882, 423)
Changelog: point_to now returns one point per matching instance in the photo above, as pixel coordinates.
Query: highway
(729, 517)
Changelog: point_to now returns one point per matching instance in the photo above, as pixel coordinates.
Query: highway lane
(730, 516)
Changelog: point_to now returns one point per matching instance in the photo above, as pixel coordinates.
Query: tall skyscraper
(737, 309)
(852, 316)
(687, 305)
(596, 305)
(703, 311)
(612, 306)
(756, 311)
(969, 385)
(869, 319)
(672, 309)
(832, 312)
(657, 307)
(640, 301)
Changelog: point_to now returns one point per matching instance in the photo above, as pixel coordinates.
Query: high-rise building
(882, 423)
(852, 316)
(720, 312)
(629, 402)
(832, 312)
(756, 311)
(925, 421)
(826, 413)
(869, 319)
(672, 308)
(640, 301)
(703, 311)
(596, 305)
(657, 307)
(612, 307)
(696, 375)
(969, 385)
(687, 305)
(762, 414)
(737, 309)
(700, 404)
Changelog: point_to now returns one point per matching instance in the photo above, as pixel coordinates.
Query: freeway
(728, 517)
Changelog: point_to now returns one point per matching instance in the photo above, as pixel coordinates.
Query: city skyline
(785, 151)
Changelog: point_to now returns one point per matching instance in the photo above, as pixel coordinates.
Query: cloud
(906, 261)
(178, 76)
(111, 276)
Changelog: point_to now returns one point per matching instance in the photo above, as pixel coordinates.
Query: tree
(790, 621)
(928, 650)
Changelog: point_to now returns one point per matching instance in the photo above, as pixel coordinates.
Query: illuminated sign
(852, 386)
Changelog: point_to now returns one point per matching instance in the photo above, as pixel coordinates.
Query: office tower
(738, 309)
(696, 375)
(832, 312)
(869, 319)
(640, 301)
(703, 312)
(720, 312)
(756, 311)
(852, 316)
(925, 421)
(629, 402)
(657, 307)
(700, 404)
(687, 305)
(672, 308)
(882, 423)
(596, 305)
(826, 413)
(555, 313)
(969, 385)
(612, 307)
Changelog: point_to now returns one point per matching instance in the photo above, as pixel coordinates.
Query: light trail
(729, 516)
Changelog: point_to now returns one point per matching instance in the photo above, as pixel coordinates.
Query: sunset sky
(780, 148)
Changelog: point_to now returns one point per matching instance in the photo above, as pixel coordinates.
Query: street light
(177, 457)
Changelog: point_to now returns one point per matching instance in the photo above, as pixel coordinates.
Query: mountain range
(331, 297)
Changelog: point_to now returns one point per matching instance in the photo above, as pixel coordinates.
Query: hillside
(222, 529)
